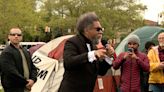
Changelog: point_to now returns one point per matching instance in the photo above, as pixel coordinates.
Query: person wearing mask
(82, 60)
(18, 72)
(156, 59)
(131, 63)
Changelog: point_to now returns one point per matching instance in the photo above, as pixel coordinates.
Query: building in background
(161, 18)
(150, 22)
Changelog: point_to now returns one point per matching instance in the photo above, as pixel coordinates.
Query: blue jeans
(156, 88)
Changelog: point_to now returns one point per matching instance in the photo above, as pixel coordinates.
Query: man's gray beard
(161, 44)
(95, 41)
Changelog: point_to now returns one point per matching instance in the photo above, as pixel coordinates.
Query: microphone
(104, 42)
(108, 59)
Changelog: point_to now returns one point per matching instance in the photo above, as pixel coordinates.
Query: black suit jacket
(12, 77)
(80, 75)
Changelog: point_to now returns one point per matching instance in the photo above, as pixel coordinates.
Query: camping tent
(147, 33)
(48, 65)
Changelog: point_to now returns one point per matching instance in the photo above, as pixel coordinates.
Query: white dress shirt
(92, 57)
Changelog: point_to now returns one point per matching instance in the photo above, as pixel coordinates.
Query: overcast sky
(154, 8)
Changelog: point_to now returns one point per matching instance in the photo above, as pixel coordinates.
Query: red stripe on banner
(57, 53)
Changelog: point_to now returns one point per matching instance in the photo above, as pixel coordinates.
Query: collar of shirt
(86, 39)
(160, 50)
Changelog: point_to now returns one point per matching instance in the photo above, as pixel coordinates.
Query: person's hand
(134, 56)
(161, 65)
(110, 50)
(29, 84)
(130, 55)
(100, 53)
(126, 55)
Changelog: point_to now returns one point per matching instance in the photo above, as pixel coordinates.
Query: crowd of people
(85, 57)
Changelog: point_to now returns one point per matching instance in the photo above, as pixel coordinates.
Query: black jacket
(80, 75)
(12, 78)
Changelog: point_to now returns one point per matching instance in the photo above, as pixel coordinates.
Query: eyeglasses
(14, 34)
(98, 29)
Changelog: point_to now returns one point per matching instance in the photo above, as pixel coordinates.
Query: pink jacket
(130, 71)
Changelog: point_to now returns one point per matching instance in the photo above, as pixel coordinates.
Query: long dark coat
(80, 75)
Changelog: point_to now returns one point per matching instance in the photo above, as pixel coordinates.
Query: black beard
(135, 50)
(95, 41)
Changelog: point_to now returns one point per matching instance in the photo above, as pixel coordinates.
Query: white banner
(45, 67)
(48, 80)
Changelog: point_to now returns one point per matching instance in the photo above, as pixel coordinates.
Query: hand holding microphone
(110, 50)
(108, 47)
(100, 53)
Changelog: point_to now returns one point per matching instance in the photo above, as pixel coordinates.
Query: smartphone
(130, 49)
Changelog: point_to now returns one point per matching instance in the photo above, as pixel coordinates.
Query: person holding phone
(131, 63)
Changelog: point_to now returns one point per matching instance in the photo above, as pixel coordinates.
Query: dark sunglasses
(98, 29)
(14, 34)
